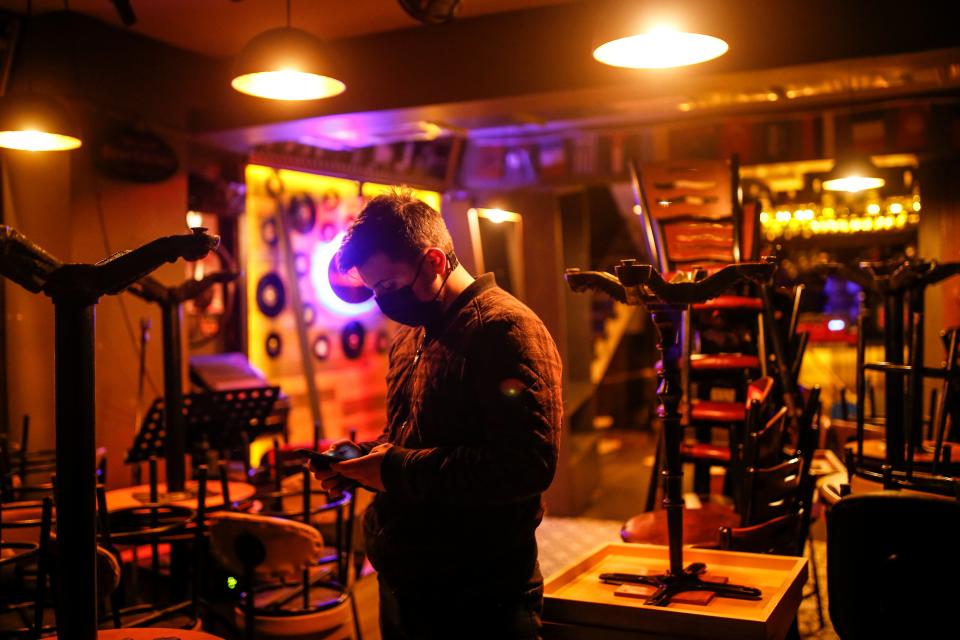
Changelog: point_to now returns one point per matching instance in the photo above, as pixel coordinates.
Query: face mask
(403, 306)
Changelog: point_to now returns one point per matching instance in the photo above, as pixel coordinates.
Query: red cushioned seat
(732, 302)
(702, 362)
(707, 411)
(704, 451)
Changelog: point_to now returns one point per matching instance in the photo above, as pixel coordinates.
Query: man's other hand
(364, 470)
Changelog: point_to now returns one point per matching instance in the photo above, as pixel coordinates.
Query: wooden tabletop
(153, 633)
(140, 494)
(579, 602)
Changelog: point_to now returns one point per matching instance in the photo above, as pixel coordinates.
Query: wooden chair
(692, 215)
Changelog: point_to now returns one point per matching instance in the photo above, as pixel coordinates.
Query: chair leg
(816, 580)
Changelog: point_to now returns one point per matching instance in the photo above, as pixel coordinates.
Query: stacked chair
(692, 215)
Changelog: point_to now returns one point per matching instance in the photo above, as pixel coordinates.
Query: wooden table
(140, 494)
(578, 606)
(153, 633)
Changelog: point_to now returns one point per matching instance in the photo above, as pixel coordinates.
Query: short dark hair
(397, 224)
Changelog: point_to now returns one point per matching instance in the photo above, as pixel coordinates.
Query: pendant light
(639, 36)
(853, 173)
(285, 64)
(31, 122)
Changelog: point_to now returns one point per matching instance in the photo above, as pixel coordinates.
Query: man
(474, 414)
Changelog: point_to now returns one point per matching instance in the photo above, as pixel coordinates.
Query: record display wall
(348, 337)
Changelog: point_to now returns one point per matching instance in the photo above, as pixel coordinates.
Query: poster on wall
(348, 336)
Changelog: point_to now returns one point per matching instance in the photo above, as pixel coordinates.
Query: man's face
(382, 274)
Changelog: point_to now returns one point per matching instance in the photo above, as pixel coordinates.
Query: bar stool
(265, 552)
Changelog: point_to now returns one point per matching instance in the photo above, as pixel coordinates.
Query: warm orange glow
(32, 140)
(660, 48)
(288, 84)
(853, 184)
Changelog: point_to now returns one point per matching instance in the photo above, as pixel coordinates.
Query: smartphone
(321, 460)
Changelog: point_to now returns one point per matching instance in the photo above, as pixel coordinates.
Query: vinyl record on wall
(301, 264)
(328, 232)
(302, 212)
(271, 296)
(330, 201)
(352, 339)
(321, 348)
(268, 232)
(273, 345)
(309, 314)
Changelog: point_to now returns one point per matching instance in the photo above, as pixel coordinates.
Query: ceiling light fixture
(659, 48)
(285, 64)
(30, 122)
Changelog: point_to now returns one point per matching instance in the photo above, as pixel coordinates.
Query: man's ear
(436, 259)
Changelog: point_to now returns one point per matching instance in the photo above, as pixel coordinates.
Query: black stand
(170, 300)
(211, 419)
(901, 284)
(637, 284)
(75, 290)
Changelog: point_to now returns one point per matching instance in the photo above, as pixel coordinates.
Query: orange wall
(53, 200)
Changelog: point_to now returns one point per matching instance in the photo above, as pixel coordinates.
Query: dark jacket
(475, 424)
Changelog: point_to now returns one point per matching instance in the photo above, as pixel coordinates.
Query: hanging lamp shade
(853, 173)
(661, 47)
(30, 122)
(656, 34)
(285, 64)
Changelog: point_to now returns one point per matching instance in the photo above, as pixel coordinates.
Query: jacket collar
(479, 285)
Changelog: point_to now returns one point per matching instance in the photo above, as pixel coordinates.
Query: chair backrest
(764, 447)
(269, 547)
(691, 212)
(772, 492)
(781, 535)
(892, 565)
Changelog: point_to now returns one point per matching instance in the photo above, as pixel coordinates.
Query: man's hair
(397, 224)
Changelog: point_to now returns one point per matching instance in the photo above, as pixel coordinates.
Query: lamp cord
(288, 14)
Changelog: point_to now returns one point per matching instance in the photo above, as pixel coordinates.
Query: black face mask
(402, 305)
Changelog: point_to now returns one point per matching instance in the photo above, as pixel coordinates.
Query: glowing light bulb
(288, 84)
(33, 140)
(660, 48)
(873, 208)
(853, 184)
(895, 208)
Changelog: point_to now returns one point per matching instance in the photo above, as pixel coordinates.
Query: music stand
(213, 420)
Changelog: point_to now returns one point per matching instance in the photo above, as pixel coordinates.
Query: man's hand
(364, 470)
(329, 479)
